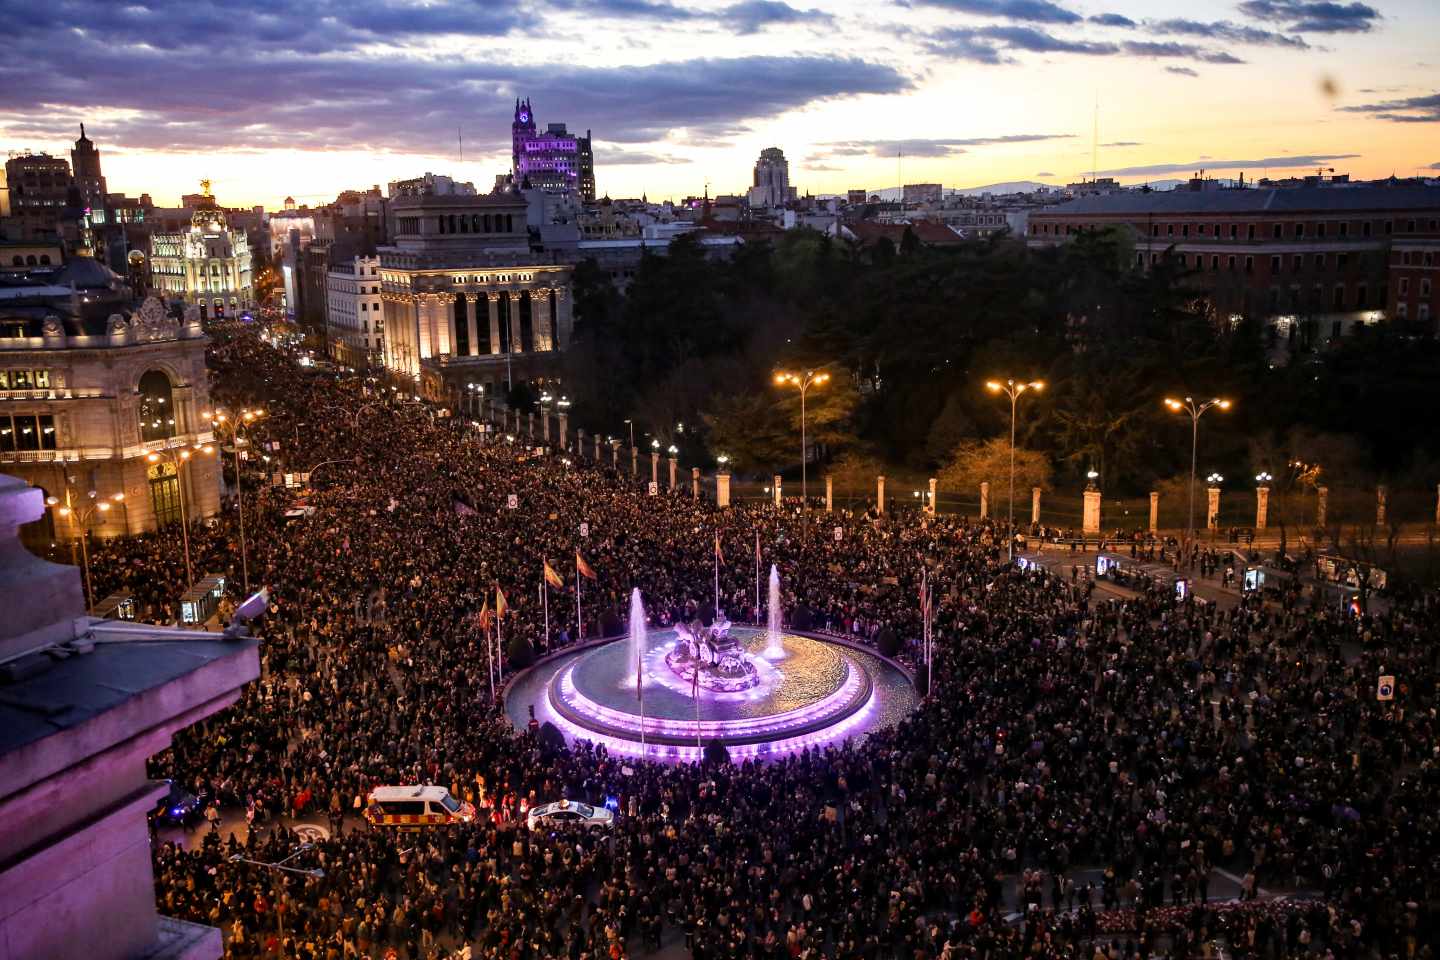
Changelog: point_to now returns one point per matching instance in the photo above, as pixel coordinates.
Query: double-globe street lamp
(239, 430)
(177, 457)
(1196, 409)
(810, 378)
(1013, 390)
(83, 516)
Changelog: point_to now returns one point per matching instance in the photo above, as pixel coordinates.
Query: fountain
(774, 648)
(665, 693)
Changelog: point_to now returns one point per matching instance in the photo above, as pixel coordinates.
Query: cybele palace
(466, 300)
(101, 406)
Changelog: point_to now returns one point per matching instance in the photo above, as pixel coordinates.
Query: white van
(416, 806)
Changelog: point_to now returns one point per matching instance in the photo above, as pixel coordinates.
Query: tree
(988, 461)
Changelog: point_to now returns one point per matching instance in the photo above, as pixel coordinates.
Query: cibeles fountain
(666, 693)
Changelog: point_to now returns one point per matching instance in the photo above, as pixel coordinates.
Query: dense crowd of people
(1081, 772)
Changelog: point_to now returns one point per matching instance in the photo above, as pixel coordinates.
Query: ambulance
(416, 806)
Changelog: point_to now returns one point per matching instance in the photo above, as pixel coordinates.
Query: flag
(482, 619)
(583, 567)
(757, 546)
(551, 577)
(719, 554)
(924, 599)
(500, 605)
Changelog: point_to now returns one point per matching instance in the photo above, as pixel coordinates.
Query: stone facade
(97, 404)
(207, 265)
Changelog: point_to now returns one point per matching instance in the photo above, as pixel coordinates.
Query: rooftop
(1293, 200)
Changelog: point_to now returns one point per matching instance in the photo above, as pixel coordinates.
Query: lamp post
(82, 516)
(1212, 512)
(1196, 409)
(803, 382)
(177, 458)
(221, 422)
(1013, 390)
(278, 867)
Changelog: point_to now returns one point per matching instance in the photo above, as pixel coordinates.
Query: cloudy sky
(269, 98)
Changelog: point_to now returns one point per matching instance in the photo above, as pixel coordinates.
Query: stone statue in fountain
(719, 660)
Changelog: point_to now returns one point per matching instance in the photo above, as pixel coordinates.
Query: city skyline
(681, 96)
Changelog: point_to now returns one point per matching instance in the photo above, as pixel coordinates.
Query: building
(43, 203)
(87, 703)
(855, 197)
(586, 153)
(90, 388)
(465, 299)
(430, 185)
(922, 193)
(771, 187)
(550, 159)
(1312, 261)
(207, 264)
(355, 325)
(1415, 273)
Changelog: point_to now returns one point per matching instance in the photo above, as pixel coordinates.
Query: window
(1339, 301)
(1249, 264)
(1365, 228)
(1362, 294)
(1344, 229)
(1278, 232)
(1319, 261)
(1299, 231)
(1425, 288)
(1341, 260)
(1185, 230)
(27, 431)
(1409, 226)
(1234, 230)
(1215, 262)
(1250, 232)
(1275, 264)
(1404, 288)
(1320, 230)
(156, 409)
(1230, 263)
(1402, 309)
(1298, 262)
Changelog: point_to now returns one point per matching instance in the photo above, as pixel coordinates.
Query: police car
(571, 813)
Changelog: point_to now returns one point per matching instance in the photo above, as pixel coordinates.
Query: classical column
(493, 305)
(447, 324)
(778, 495)
(694, 483)
(562, 323)
(1035, 505)
(829, 493)
(597, 448)
(565, 432)
(517, 342)
(472, 329)
(880, 493)
(1154, 511)
(426, 344)
(1322, 502)
(545, 425)
(634, 461)
(530, 421)
(984, 499)
(1382, 495)
(1262, 506)
(615, 454)
(540, 319)
(1091, 519)
(722, 489)
(655, 468)
(931, 508)
(579, 442)
(1212, 509)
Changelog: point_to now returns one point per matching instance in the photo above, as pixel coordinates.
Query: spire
(82, 131)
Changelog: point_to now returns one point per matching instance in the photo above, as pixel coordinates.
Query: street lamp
(278, 867)
(804, 382)
(1196, 410)
(1263, 477)
(221, 422)
(1013, 390)
(177, 458)
(631, 425)
(82, 516)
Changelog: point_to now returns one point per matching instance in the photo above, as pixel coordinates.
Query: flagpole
(579, 617)
(490, 659)
(640, 693)
(717, 576)
(757, 576)
(545, 602)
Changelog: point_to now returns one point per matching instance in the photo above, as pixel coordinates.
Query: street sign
(584, 528)
(1385, 689)
(839, 534)
(512, 501)
(654, 488)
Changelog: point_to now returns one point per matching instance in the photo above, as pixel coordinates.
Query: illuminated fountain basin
(819, 693)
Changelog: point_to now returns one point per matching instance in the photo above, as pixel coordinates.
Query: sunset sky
(269, 98)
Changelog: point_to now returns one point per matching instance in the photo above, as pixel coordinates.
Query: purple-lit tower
(555, 159)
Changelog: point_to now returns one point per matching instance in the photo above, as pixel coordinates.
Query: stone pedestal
(880, 493)
(673, 465)
(1035, 505)
(530, 420)
(722, 489)
(830, 495)
(634, 461)
(545, 426)
(1091, 520)
(1262, 506)
(1154, 511)
(984, 499)
(1382, 494)
(1212, 508)
(1322, 505)
(580, 442)
(565, 432)
(694, 483)
(655, 467)
(597, 448)
(777, 490)
(930, 508)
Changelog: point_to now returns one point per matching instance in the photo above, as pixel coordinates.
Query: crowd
(1154, 740)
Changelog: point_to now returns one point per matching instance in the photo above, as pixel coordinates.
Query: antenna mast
(1095, 140)
(460, 135)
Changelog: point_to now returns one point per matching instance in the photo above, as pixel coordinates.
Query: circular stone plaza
(669, 693)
